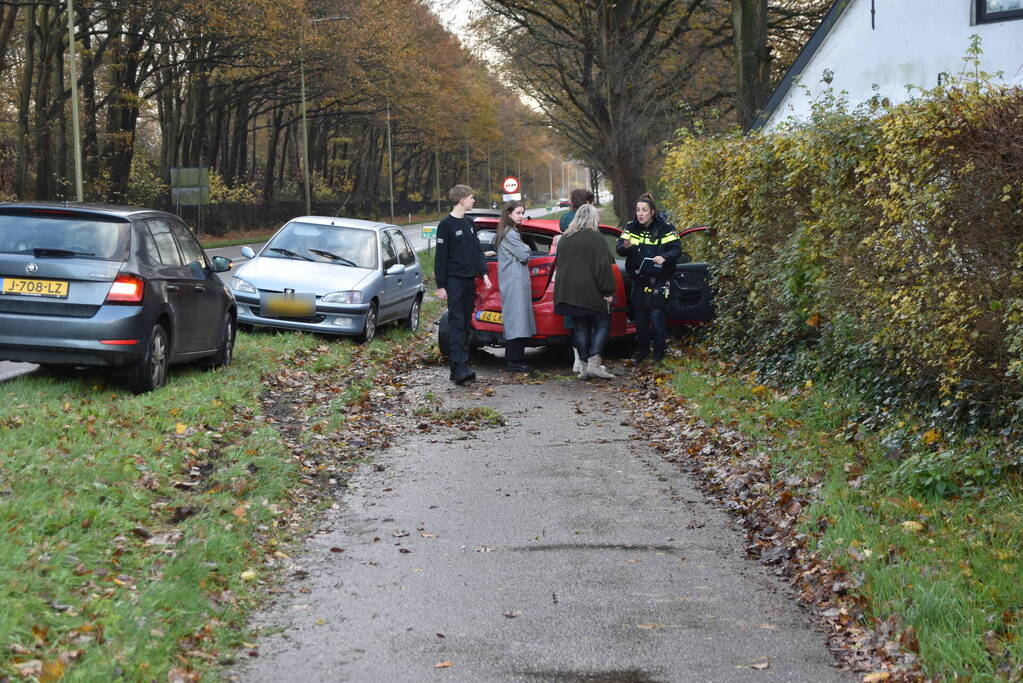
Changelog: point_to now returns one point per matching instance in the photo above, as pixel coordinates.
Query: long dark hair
(506, 223)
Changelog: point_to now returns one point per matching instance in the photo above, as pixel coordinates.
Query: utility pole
(390, 161)
(305, 139)
(74, 100)
(436, 163)
(550, 172)
(305, 125)
(467, 162)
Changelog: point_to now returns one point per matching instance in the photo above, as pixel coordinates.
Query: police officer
(651, 249)
(459, 261)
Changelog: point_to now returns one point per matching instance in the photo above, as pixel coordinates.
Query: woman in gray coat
(513, 281)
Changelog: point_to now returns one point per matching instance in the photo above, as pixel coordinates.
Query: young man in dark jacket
(651, 249)
(459, 261)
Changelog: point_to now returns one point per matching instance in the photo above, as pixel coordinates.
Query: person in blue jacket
(651, 248)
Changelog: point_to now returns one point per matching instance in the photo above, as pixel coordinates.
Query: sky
(454, 14)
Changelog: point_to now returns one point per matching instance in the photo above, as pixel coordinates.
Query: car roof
(341, 222)
(120, 211)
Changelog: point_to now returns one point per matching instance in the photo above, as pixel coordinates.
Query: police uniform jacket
(458, 251)
(658, 239)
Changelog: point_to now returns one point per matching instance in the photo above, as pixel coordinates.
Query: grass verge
(928, 526)
(137, 529)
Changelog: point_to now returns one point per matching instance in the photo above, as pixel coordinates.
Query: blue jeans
(590, 334)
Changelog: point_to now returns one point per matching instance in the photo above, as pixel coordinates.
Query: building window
(998, 10)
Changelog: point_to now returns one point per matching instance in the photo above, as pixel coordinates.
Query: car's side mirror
(248, 253)
(221, 264)
(396, 269)
(685, 258)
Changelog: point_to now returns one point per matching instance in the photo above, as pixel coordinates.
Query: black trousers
(648, 310)
(461, 298)
(515, 350)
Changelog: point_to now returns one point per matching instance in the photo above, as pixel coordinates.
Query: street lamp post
(79, 195)
(305, 125)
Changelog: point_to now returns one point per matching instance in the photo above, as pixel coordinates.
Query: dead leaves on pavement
(737, 476)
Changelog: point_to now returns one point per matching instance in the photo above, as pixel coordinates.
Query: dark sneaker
(658, 356)
(638, 357)
(517, 366)
(460, 374)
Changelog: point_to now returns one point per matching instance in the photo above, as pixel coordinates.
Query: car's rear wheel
(150, 372)
(225, 350)
(411, 321)
(369, 330)
(444, 335)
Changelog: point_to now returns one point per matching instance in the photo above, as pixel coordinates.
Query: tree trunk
(752, 58)
(271, 155)
(24, 104)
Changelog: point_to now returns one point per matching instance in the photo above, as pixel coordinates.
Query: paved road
(556, 548)
(413, 232)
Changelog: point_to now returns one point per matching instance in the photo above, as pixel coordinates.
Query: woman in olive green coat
(584, 288)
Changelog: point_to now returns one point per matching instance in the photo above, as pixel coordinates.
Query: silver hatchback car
(331, 275)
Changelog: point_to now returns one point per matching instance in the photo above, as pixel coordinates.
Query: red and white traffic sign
(510, 185)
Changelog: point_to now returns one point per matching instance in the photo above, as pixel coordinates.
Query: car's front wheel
(369, 330)
(150, 372)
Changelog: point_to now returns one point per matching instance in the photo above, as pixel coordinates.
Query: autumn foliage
(880, 243)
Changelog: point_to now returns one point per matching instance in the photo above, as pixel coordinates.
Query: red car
(689, 303)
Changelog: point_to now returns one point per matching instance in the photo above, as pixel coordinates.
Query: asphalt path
(413, 232)
(559, 547)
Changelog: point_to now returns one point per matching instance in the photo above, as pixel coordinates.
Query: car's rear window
(325, 243)
(54, 235)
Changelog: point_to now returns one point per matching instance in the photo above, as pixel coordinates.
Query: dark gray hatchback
(120, 287)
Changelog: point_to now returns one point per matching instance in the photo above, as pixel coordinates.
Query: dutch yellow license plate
(21, 286)
(489, 317)
(290, 305)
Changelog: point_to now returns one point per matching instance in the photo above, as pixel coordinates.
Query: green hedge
(885, 243)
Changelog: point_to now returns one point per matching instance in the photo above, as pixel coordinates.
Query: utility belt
(650, 287)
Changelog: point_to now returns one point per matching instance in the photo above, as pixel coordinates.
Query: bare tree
(613, 78)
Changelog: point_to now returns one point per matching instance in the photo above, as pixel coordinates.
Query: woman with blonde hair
(584, 288)
(513, 281)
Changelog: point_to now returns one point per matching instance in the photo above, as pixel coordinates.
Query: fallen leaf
(444, 665)
(761, 664)
(649, 626)
(248, 575)
(180, 428)
(912, 526)
(876, 677)
(512, 615)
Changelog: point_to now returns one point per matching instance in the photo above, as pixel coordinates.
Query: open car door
(690, 298)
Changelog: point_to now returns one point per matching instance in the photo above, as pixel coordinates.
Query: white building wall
(912, 43)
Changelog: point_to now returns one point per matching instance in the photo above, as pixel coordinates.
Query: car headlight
(240, 285)
(351, 297)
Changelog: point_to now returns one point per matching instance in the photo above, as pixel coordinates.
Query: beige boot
(595, 369)
(577, 366)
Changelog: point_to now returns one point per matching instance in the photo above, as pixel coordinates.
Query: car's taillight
(127, 289)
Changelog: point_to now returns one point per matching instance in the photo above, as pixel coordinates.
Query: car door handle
(199, 288)
(172, 288)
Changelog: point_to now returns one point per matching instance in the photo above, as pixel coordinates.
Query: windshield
(346, 247)
(62, 236)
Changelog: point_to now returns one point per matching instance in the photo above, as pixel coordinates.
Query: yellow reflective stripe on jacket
(644, 240)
